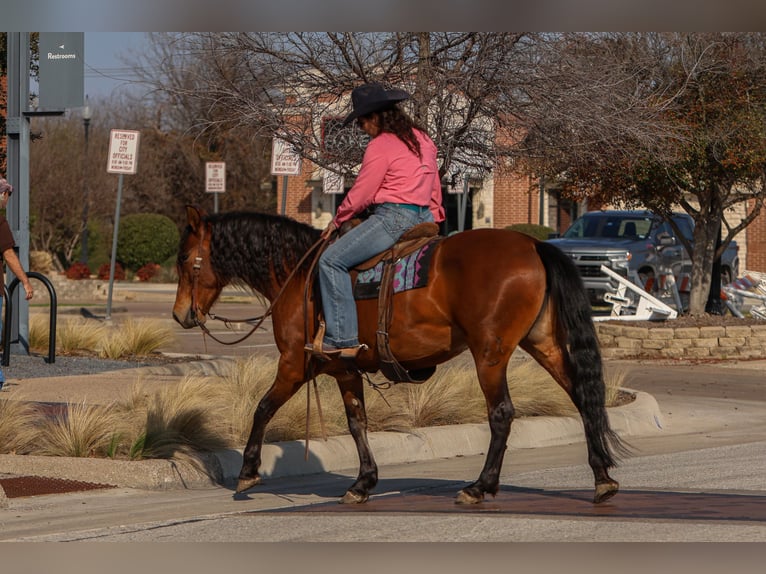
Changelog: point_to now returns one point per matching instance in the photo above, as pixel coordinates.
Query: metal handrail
(8, 292)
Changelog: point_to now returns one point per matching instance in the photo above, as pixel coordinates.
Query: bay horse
(488, 291)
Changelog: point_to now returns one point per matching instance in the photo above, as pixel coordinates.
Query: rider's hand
(328, 231)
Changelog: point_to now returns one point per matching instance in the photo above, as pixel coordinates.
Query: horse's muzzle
(188, 319)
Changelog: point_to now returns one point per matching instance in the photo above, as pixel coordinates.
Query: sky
(105, 72)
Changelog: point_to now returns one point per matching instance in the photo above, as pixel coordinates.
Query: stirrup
(345, 353)
(315, 348)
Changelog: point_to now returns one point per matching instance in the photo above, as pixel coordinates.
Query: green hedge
(146, 238)
(540, 232)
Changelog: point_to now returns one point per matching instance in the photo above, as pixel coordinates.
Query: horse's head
(198, 285)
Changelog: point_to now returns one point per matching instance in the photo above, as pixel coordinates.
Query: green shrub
(540, 232)
(146, 238)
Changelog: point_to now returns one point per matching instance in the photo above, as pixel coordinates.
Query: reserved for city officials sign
(123, 151)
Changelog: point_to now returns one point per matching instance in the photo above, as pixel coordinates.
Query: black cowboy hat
(370, 98)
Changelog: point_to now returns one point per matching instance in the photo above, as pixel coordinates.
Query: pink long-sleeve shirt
(390, 172)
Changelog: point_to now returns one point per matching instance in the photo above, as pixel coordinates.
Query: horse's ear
(194, 217)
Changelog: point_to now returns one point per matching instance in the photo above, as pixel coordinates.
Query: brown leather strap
(389, 366)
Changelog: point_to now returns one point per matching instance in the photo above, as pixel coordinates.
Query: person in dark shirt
(7, 245)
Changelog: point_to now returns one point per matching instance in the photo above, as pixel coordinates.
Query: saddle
(412, 240)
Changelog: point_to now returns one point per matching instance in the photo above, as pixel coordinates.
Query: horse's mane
(257, 248)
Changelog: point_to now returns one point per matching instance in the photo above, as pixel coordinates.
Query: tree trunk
(702, 258)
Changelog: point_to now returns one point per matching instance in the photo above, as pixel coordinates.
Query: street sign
(284, 160)
(215, 176)
(123, 151)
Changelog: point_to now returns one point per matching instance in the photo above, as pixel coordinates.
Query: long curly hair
(396, 121)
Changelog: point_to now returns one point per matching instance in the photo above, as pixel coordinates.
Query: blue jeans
(374, 235)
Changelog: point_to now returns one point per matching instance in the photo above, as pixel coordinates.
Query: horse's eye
(183, 258)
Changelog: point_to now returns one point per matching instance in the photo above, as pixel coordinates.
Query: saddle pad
(410, 272)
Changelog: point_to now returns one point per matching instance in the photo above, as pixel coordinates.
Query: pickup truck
(633, 244)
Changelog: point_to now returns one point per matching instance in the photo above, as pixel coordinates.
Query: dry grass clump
(135, 337)
(17, 430)
(79, 335)
(177, 421)
(242, 386)
(203, 413)
(79, 430)
(129, 338)
(39, 336)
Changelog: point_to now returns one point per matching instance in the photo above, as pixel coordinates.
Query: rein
(256, 321)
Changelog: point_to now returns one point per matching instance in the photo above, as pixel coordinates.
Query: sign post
(215, 180)
(284, 161)
(123, 158)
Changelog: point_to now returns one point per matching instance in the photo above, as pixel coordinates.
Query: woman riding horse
(489, 291)
(400, 180)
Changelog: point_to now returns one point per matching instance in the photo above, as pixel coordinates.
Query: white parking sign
(123, 151)
(215, 176)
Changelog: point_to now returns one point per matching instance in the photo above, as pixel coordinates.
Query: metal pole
(284, 195)
(462, 201)
(114, 249)
(85, 190)
(17, 128)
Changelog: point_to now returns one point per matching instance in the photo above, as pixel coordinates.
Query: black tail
(575, 316)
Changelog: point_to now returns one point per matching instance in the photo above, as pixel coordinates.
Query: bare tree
(285, 84)
(617, 117)
(658, 121)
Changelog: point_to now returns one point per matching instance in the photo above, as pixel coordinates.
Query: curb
(639, 418)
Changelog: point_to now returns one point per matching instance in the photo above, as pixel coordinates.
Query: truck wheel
(648, 281)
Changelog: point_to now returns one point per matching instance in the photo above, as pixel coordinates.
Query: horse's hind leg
(351, 388)
(587, 394)
(492, 378)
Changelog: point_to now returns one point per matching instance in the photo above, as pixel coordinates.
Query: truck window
(635, 228)
(685, 226)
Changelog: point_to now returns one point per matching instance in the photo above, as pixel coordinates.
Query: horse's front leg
(352, 391)
(285, 386)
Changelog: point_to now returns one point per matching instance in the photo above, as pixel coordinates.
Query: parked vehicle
(634, 244)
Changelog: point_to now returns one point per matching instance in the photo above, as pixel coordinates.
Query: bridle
(256, 321)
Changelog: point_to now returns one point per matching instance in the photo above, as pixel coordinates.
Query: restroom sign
(123, 151)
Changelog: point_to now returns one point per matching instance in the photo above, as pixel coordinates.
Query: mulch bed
(19, 486)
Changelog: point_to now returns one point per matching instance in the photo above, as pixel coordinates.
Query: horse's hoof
(464, 498)
(605, 491)
(353, 498)
(247, 483)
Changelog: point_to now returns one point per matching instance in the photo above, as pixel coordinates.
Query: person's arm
(435, 205)
(13, 263)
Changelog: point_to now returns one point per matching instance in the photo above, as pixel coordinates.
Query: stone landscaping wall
(623, 340)
(75, 290)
